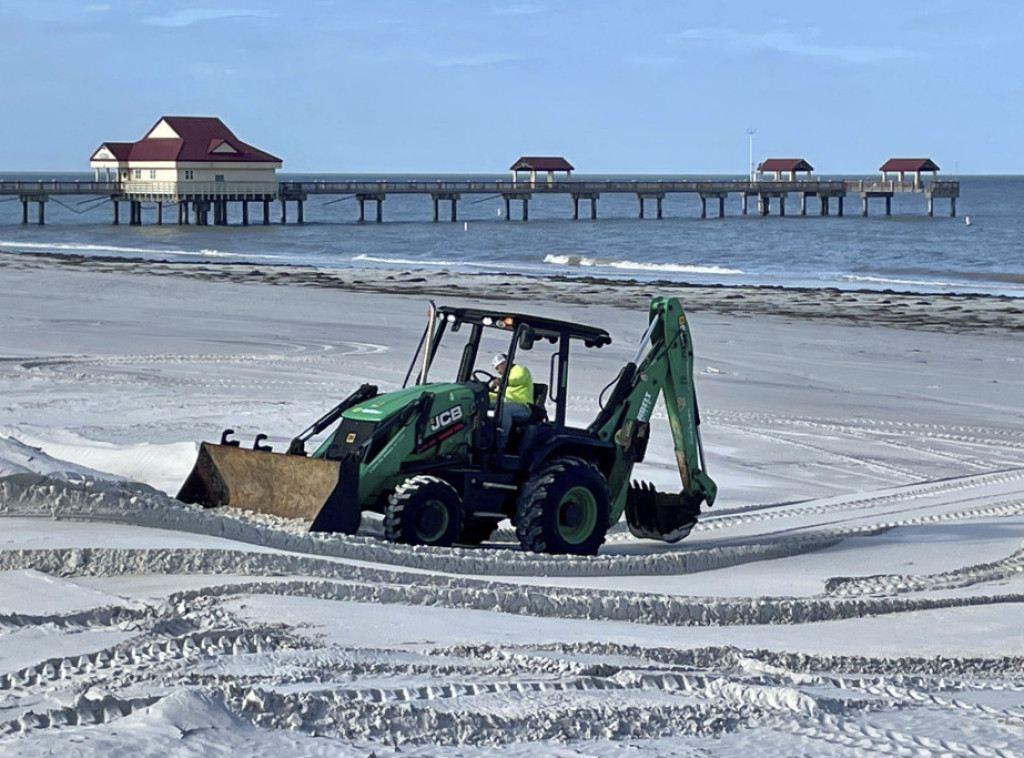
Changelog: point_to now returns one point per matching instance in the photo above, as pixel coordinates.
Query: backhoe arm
(663, 365)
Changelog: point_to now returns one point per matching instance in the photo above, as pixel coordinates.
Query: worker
(518, 393)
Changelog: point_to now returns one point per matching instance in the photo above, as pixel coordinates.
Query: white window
(189, 174)
(138, 173)
(152, 173)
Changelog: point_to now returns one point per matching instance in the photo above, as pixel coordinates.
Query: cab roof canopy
(544, 328)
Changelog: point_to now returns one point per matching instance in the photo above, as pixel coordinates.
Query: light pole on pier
(750, 139)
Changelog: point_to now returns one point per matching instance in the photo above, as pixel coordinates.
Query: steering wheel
(488, 377)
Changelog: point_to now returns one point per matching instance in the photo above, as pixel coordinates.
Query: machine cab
(459, 344)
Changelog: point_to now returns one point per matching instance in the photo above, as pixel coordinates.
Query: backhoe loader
(430, 459)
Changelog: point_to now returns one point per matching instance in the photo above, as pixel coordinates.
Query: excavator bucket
(291, 486)
(657, 515)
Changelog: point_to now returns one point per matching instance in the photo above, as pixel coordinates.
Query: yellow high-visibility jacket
(520, 385)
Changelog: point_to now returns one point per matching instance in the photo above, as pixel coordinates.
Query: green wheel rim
(577, 515)
(431, 521)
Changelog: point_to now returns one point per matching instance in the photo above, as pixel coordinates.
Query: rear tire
(564, 508)
(424, 510)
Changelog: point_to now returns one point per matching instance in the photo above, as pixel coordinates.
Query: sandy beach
(857, 587)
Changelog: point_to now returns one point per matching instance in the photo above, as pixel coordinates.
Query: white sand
(857, 587)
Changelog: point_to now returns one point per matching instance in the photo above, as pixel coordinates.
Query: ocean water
(907, 251)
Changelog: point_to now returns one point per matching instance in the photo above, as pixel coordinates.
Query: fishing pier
(204, 203)
(199, 168)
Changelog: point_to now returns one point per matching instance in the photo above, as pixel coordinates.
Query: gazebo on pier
(780, 166)
(903, 166)
(532, 165)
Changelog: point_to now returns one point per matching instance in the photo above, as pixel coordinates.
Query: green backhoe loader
(430, 457)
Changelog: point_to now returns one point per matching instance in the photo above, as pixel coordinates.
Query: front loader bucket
(291, 486)
(660, 515)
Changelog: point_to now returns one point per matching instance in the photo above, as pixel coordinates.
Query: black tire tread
(533, 503)
(404, 496)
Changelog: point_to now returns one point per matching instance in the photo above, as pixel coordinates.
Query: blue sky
(456, 86)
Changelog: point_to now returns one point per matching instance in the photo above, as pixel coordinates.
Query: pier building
(190, 161)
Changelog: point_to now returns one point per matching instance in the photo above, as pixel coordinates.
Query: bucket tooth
(659, 515)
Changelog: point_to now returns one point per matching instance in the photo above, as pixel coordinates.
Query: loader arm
(663, 366)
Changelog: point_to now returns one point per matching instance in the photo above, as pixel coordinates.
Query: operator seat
(538, 415)
(538, 412)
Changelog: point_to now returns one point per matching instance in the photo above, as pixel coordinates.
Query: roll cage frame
(523, 332)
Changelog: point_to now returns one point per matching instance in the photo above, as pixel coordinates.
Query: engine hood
(384, 406)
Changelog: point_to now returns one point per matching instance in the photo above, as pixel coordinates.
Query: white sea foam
(365, 258)
(82, 247)
(854, 278)
(684, 268)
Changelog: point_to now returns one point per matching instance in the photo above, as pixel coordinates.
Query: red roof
(909, 164)
(120, 150)
(541, 164)
(200, 138)
(784, 164)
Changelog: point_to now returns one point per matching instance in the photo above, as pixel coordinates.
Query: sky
(468, 86)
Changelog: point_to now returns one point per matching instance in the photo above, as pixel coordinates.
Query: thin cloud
(207, 70)
(650, 60)
(519, 10)
(473, 61)
(191, 16)
(794, 44)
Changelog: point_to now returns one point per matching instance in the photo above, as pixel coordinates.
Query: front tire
(564, 508)
(423, 510)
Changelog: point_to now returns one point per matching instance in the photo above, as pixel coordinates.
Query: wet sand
(950, 313)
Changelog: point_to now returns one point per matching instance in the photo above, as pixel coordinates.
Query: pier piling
(591, 196)
(658, 197)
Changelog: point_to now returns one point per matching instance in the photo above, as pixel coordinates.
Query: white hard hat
(499, 359)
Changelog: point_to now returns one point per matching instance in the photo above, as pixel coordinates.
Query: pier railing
(205, 196)
(149, 189)
(500, 187)
(59, 188)
(876, 185)
(210, 190)
(199, 190)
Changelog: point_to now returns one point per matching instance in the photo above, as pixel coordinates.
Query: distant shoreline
(904, 310)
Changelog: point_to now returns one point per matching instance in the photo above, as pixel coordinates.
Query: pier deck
(206, 196)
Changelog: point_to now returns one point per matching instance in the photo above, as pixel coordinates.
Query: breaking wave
(365, 258)
(584, 261)
(966, 282)
(887, 280)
